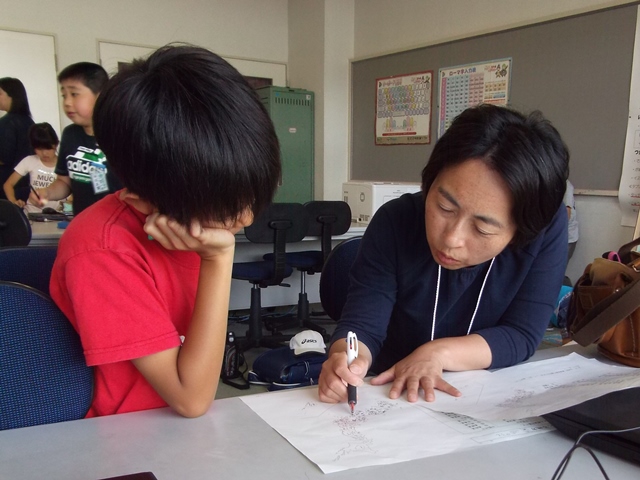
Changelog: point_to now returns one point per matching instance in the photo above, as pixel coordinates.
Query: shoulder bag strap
(624, 252)
(608, 313)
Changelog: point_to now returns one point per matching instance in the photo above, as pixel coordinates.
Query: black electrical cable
(567, 458)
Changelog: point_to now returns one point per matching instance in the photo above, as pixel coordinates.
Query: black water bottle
(230, 364)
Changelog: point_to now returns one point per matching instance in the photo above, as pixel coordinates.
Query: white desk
(48, 233)
(275, 296)
(45, 233)
(231, 441)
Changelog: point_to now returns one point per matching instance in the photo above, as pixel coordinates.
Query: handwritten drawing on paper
(382, 430)
(495, 407)
(350, 426)
(536, 388)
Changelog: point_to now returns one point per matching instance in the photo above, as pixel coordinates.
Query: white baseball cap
(307, 341)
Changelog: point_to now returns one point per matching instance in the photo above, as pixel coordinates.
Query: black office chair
(334, 280)
(326, 219)
(15, 229)
(279, 224)
(44, 377)
(28, 265)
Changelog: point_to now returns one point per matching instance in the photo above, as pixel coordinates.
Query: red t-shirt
(126, 296)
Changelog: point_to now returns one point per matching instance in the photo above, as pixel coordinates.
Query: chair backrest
(28, 265)
(334, 280)
(43, 374)
(15, 229)
(327, 218)
(279, 224)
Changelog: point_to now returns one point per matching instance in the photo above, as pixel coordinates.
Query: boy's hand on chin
(208, 242)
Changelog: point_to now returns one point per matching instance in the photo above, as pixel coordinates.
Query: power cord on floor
(567, 458)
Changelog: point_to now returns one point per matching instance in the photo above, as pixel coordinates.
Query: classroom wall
(383, 27)
(235, 28)
(320, 49)
(317, 38)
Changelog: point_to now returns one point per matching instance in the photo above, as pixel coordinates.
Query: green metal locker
(291, 110)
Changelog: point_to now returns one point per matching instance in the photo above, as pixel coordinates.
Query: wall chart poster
(629, 189)
(403, 109)
(465, 86)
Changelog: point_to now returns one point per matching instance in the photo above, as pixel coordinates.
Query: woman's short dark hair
(42, 135)
(526, 151)
(184, 130)
(91, 75)
(15, 89)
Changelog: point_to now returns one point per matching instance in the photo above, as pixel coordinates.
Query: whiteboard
(111, 54)
(31, 58)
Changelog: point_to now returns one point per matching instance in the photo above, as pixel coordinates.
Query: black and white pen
(34, 192)
(352, 354)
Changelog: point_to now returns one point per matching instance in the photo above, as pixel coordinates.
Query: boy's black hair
(526, 151)
(42, 135)
(15, 89)
(92, 75)
(184, 130)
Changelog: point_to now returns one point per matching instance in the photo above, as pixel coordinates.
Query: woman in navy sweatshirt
(464, 275)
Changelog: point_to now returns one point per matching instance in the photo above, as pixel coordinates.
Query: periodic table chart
(465, 86)
(403, 109)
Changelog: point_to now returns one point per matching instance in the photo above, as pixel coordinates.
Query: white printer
(364, 198)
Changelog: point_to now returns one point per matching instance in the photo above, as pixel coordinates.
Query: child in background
(39, 167)
(82, 167)
(14, 141)
(574, 232)
(151, 264)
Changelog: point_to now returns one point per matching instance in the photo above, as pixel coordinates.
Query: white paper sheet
(532, 389)
(495, 407)
(382, 431)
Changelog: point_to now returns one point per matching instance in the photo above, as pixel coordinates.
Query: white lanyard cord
(435, 307)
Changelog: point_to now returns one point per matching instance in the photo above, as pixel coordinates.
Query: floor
(238, 325)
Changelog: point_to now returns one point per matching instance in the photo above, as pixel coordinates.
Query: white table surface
(45, 233)
(232, 442)
(48, 233)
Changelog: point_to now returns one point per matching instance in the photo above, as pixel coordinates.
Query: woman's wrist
(470, 352)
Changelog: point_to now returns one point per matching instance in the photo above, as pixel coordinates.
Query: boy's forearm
(200, 358)
(187, 377)
(59, 189)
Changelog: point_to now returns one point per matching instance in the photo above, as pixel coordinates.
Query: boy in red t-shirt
(144, 274)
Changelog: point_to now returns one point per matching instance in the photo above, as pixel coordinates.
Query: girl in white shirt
(40, 167)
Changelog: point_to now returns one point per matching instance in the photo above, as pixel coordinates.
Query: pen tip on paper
(352, 405)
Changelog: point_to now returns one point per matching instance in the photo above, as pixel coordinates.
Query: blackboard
(576, 70)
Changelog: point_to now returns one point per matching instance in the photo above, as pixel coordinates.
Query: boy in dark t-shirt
(82, 168)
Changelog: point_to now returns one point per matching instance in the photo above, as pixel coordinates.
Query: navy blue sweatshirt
(393, 285)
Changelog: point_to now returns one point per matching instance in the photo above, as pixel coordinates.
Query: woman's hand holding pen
(336, 374)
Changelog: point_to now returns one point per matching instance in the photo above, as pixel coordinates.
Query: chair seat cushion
(257, 271)
(309, 259)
